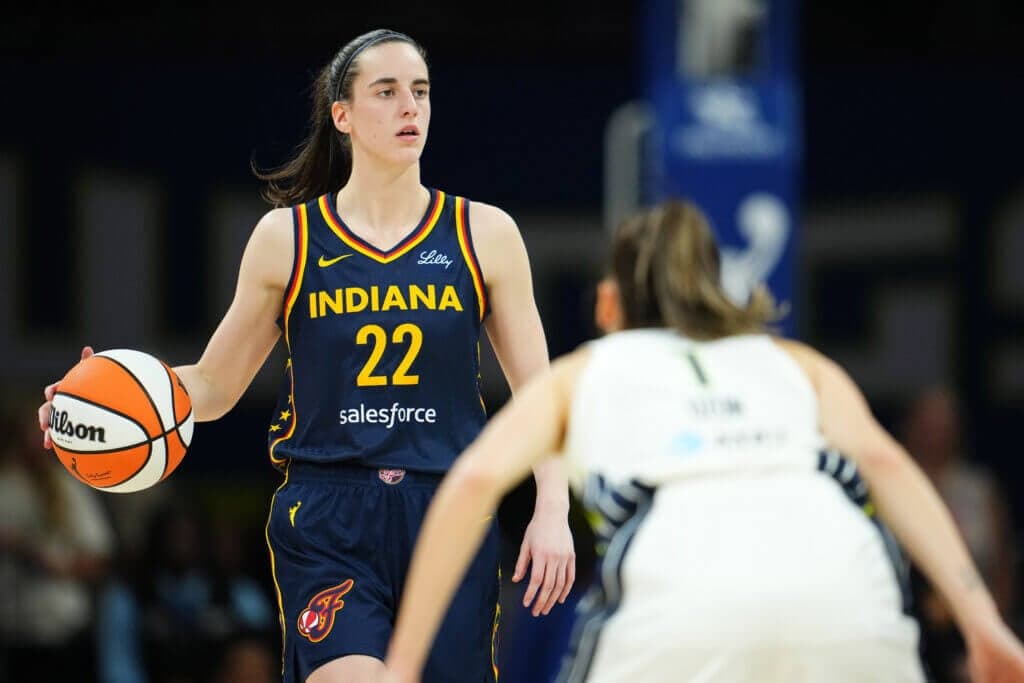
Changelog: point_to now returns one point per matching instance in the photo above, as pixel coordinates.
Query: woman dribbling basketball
(380, 287)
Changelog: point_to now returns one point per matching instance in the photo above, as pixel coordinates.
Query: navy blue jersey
(383, 346)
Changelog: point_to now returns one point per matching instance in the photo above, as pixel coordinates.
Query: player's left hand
(547, 544)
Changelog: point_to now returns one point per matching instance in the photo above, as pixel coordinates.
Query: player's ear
(608, 314)
(340, 117)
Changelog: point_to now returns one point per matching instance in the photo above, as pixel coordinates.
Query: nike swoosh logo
(324, 262)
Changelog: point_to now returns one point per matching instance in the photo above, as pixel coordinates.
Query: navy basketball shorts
(341, 538)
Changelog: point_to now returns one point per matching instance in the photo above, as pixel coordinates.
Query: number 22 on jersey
(378, 336)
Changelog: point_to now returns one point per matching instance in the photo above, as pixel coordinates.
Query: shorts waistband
(359, 474)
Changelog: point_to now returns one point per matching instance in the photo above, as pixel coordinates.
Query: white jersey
(727, 555)
(654, 406)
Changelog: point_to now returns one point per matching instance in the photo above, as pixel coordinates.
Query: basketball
(121, 421)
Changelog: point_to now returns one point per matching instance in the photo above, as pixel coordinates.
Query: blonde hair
(666, 263)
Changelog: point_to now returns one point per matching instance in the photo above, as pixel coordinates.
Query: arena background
(126, 194)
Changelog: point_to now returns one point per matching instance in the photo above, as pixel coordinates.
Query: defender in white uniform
(728, 555)
(693, 438)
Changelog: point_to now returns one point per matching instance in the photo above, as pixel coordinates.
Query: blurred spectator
(248, 659)
(934, 434)
(250, 605)
(178, 599)
(130, 515)
(55, 544)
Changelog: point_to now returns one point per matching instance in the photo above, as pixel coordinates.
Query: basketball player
(380, 286)
(692, 437)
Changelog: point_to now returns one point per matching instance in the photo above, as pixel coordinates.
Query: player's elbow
(474, 475)
(882, 460)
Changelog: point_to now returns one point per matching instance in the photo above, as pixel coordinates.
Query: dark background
(910, 98)
(900, 100)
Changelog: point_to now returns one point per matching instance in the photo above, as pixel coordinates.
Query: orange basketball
(121, 421)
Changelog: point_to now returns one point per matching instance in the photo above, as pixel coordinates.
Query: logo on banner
(727, 107)
(727, 122)
(763, 219)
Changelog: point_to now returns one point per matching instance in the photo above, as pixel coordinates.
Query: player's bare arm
(524, 433)
(517, 336)
(247, 333)
(245, 336)
(908, 503)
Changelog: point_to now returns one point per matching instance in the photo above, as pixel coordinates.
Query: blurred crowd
(935, 431)
(153, 587)
(149, 587)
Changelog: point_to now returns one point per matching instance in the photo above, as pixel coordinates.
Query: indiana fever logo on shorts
(317, 620)
(391, 477)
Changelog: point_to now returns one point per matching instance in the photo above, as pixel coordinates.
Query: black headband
(381, 36)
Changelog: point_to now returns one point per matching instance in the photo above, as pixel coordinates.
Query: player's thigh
(350, 669)
(465, 648)
(336, 600)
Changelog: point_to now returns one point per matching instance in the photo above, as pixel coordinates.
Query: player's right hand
(44, 410)
(995, 655)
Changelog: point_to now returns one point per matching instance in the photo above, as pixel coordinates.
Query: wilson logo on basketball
(317, 620)
(61, 424)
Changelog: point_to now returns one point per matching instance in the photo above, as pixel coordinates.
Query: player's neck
(383, 202)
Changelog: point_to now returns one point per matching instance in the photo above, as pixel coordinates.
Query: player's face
(389, 113)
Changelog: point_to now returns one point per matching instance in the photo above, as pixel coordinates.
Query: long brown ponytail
(667, 266)
(323, 161)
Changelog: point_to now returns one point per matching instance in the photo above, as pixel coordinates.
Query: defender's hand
(995, 655)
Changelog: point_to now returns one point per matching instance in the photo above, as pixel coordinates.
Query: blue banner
(727, 131)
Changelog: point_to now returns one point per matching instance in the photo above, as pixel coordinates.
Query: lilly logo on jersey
(433, 257)
(61, 425)
(316, 621)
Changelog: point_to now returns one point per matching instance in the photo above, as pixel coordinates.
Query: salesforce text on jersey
(388, 417)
